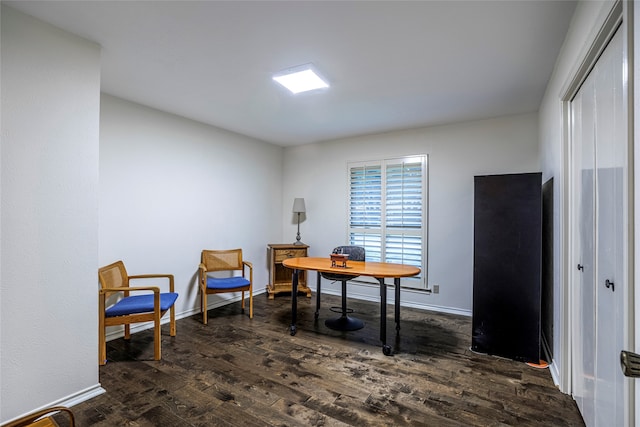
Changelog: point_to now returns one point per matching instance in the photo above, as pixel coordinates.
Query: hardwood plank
(237, 371)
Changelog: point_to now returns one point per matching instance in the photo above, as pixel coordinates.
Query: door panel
(600, 153)
(610, 162)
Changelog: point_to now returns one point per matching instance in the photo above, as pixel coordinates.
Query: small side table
(280, 276)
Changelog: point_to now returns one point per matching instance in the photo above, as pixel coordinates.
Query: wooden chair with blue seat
(224, 271)
(147, 305)
(344, 322)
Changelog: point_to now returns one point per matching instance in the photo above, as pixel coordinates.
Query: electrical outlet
(436, 289)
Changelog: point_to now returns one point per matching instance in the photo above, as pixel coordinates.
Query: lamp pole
(298, 242)
(298, 208)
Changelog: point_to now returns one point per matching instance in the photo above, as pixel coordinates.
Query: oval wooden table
(379, 270)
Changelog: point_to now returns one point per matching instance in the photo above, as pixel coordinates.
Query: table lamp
(298, 208)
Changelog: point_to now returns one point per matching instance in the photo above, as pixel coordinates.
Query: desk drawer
(282, 254)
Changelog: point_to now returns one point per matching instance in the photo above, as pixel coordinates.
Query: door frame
(618, 14)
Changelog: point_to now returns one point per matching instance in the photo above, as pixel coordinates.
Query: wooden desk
(379, 270)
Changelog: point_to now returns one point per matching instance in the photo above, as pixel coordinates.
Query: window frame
(383, 231)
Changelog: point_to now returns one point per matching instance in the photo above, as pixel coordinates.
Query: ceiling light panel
(301, 79)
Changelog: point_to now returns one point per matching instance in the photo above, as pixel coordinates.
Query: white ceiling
(392, 64)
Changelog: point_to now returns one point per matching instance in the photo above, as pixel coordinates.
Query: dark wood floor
(238, 371)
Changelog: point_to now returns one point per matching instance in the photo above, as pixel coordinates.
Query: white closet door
(600, 203)
(611, 158)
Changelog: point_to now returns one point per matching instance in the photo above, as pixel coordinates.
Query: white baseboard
(553, 367)
(371, 292)
(81, 396)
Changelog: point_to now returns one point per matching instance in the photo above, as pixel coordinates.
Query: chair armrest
(149, 276)
(250, 265)
(155, 289)
(202, 275)
(247, 264)
(155, 276)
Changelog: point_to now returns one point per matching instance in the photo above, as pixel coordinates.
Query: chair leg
(102, 339)
(172, 322)
(102, 343)
(242, 302)
(204, 307)
(250, 304)
(127, 332)
(157, 337)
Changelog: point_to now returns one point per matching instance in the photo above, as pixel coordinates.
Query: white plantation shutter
(365, 209)
(387, 211)
(404, 212)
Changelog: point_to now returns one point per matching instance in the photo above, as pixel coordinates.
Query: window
(387, 212)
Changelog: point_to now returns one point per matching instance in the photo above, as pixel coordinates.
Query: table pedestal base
(344, 323)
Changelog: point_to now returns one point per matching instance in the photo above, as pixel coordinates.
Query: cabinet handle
(630, 364)
(609, 284)
(580, 267)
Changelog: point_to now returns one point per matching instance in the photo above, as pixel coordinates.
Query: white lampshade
(298, 205)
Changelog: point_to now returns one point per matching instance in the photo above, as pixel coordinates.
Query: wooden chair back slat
(221, 260)
(113, 276)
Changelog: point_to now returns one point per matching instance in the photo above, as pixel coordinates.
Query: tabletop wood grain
(356, 268)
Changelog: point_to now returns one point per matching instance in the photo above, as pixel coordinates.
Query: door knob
(609, 284)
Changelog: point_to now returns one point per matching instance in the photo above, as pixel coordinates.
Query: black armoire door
(507, 266)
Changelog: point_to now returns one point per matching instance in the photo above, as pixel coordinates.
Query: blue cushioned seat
(140, 304)
(226, 283)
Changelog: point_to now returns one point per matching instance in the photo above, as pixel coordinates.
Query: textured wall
(50, 131)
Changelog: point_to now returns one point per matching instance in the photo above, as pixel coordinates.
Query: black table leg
(318, 296)
(396, 282)
(294, 301)
(386, 349)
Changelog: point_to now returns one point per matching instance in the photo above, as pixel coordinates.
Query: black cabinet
(507, 266)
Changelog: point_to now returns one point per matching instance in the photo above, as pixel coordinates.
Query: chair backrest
(356, 253)
(113, 276)
(222, 260)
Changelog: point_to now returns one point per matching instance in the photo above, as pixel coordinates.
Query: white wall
(49, 250)
(457, 153)
(588, 18)
(171, 187)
